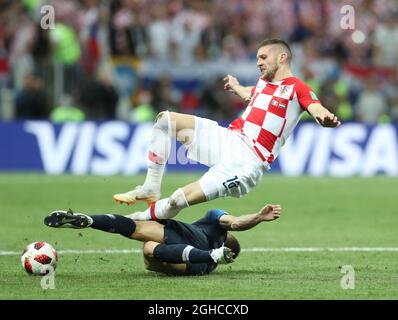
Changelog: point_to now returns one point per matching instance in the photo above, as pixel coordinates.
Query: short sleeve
(305, 95)
(213, 216)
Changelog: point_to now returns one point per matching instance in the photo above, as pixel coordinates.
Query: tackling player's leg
(168, 125)
(112, 223)
(169, 207)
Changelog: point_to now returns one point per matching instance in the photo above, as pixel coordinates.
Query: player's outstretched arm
(232, 84)
(323, 116)
(269, 213)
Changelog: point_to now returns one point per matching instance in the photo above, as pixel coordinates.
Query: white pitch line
(346, 249)
(124, 251)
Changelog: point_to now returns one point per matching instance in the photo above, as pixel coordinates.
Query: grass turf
(318, 212)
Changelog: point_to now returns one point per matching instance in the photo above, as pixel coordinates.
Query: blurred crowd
(346, 50)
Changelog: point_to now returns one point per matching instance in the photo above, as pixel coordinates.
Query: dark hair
(232, 243)
(279, 42)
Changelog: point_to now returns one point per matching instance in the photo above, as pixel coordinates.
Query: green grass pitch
(317, 213)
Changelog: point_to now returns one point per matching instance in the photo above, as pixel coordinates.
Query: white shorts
(235, 168)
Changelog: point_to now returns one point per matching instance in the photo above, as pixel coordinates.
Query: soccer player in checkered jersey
(238, 155)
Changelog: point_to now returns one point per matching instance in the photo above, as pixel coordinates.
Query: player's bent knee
(148, 249)
(162, 119)
(160, 115)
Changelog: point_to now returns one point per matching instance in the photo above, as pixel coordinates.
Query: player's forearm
(246, 222)
(243, 92)
(318, 112)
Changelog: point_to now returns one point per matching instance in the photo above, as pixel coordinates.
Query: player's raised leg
(168, 126)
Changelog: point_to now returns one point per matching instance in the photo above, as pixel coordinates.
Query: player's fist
(328, 121)
(230, 83)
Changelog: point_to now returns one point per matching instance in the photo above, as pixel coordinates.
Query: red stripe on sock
(152, 211)
(152, 156)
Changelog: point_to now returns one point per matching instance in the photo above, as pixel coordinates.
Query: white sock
(145, 215)
(154, 177)
(159, 152)
(163, 209)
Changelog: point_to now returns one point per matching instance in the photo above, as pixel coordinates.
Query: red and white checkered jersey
(272, 113)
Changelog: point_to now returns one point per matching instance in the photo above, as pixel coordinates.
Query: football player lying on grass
(173, 247)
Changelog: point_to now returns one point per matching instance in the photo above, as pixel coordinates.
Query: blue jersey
(205, 234)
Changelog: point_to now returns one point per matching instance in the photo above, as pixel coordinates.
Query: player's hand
(230, 83)
(328, 121)
(271, 212)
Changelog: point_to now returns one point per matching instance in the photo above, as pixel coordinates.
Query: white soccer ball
(39, 258)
